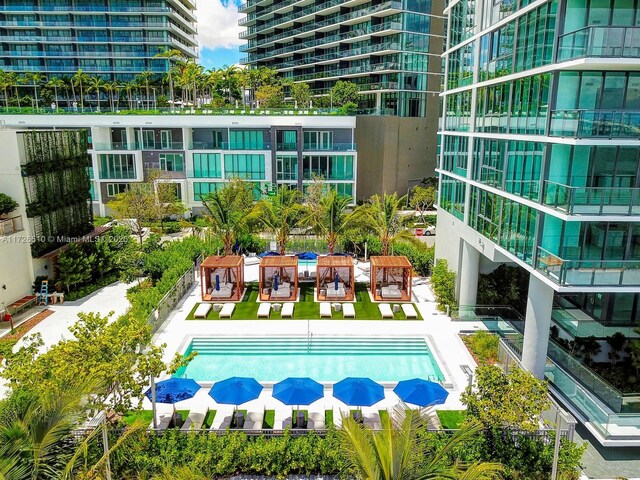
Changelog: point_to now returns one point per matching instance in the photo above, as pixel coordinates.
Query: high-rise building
(117, 39)
(540, 168)
(390, 49)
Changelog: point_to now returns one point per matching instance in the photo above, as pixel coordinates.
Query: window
(246, 140)
(166, 139)
(330, 167)
(287, 140)
(202, 189)
(246, 166)
(114, 189)
(117, 165)
(207, 165)
(287, 167)
(318, 140)
(172, 162)
(148, 139)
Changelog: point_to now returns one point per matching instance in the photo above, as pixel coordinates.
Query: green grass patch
(305, 309)
(184, 414)
(208, 419)
(145, 415)
(269, 419)
(328, 417)
(451, 419)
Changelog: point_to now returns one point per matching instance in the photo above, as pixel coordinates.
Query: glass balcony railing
(595, 123)
(196, 145)
(587, 273)
(335, 147)
(598, 41)
(287, 146)
(578, 324)
(123, 175)
(592, 200)
(163, 146)
(117, 146)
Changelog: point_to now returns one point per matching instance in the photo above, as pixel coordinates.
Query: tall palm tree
(230, 80)
(382, 215)
(279, 215)
(55, 83)
(4, 85)
(35, 78)
(228, 211)
(144, 78)
(173, 56)
(80, 79)
(330, 217)
(95, 84)
(399, 452)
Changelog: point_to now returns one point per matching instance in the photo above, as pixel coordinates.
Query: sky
(218, 32)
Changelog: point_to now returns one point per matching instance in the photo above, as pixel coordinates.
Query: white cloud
(218, 24)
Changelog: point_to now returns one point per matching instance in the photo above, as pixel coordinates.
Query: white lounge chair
(282, 419)
(348, 311)
(253, 421)
(164, 415)
(409, 311)
(385, 310)
(287, 310)
(263, 310)
(227, 310)
(325, 310)
(316, 421)
(371, 418)
(202, 311)
(223, 417)
(195, 419)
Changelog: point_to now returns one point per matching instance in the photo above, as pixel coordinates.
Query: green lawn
(451, 419)
(269, 419)
(305, 309)
(208, 419)
(328, 417)
(145, 415)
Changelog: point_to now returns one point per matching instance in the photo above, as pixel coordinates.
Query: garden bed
(306, 309)
(8, 341)
(483, 346)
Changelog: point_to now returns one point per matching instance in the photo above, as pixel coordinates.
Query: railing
(124, 110)
(595, 123)
(588, 273)
(600, 41)
(580, 327)
(67, 8)
(116, 146)
(287, 146)
(592, 200)
(335, 147)
(10, 225)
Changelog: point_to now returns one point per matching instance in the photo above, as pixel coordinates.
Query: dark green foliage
(38, 282)
(504, 286)
(171, 227)
(74, 267)
(252, 243)
(443, 283)
(420, 255)
(7, 204)
(85, 290)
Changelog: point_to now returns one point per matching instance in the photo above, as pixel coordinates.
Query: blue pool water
(323, 359)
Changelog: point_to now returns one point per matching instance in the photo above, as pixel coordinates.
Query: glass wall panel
(207, 165)
(244, 166)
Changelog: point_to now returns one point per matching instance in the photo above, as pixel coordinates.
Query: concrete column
(469, 266)
(536, 326)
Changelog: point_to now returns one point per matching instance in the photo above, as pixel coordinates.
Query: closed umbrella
(336, 280)
(217, 283)
(171, 391)
(421, 392)
(298, 391)
(275, 282)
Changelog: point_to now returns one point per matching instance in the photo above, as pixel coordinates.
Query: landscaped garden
(305, 309)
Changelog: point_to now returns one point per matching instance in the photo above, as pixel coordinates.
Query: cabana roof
(228, 261)
(390, 262)
(334, 261)
(281, 261)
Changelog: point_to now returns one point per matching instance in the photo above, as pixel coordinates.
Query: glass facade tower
(117, 39)
(391, 49)
(540, 159)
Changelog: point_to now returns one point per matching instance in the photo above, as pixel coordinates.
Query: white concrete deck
(440, 333)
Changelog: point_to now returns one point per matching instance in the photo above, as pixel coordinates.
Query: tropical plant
(616, 344)
(422, 198)
(443, 282)
(301, 94)
(173, 56)
(383, 217)
(270, 96)
(35, 78)
(398, 452)
(74, 266)
(279, 215)
(55, 83)
(95, 84)
(343, 93)
(330, 217)
(228, 210)
(80, 79)
(144, 78)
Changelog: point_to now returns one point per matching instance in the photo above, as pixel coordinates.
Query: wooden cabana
(229, 285)
(391, 278)
(279, 278)
(327, 268)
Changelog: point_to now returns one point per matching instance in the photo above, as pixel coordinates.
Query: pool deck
(439, 331)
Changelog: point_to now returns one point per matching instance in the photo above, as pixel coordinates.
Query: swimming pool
(326, 359)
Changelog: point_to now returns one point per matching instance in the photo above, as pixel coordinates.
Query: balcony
(595, 123)
(333, 147)
(100, 147)
(579, 324)
(9, 226)
(287, 146)
(592, 200)
(588, 273)
(163, 146)
(611, 42)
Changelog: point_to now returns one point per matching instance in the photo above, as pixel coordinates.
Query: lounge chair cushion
(227, 310)
(385, 310)
(348, 311)
(202, 310)
(325, 309)
(195, 419)
(287, 310)
(263, 310)
(409, 311)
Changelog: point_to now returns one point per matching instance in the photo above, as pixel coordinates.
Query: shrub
(420, 255)
(443, 282)
(484, 346)
(171, 227)
(7, 204)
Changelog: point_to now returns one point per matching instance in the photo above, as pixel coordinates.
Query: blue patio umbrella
(360, 392)
(269, 254)
(421, 392)
(298, 391)
(336, 280)
(307, 256)
(174, 390)
(217, 282)
(235, 390)
(275, 282)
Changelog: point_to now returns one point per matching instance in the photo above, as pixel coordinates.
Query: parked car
(428, 231)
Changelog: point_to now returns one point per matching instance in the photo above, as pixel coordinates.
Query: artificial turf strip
(451, 419)
(208, 419)
(305, 309)
(145, 415)
(269, 419)
(328, 417)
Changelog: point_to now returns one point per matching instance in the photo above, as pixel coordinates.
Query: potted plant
(7, 204)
